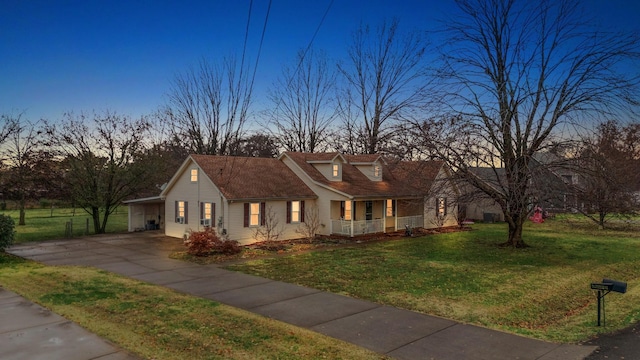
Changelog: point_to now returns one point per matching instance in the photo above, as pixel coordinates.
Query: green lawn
(158, 323)
(542, 291)
(45, 224)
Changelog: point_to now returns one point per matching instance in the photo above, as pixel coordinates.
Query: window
(254, 217)
(181, 211)
(391, 209)
(441, 208)
(376, 171)
(345, 210)
(194, 175)
(295, 212)
(207, 214)
(336, 170)
(254, 214)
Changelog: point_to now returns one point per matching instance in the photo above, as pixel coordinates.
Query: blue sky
(59, 55)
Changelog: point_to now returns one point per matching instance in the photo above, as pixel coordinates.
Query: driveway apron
(398, 333)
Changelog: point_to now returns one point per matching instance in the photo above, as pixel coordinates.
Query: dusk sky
(59, 56)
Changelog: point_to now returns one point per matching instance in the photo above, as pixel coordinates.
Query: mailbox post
(605, 287)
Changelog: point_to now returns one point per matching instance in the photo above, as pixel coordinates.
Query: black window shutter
(288, 212)
(201, 210)
(246, 214)
(353, 210)
(263, 214)
(186, 212)
(176, 211)
(302, 211)
(342, 209)
(213, 214)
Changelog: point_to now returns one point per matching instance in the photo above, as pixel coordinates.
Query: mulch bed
(269, 249)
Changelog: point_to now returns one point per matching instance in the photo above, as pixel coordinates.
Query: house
(551, 183)
(345, 195)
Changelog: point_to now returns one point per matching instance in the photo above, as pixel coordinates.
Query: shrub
(227, 247)
(203, 243)
(7, 232)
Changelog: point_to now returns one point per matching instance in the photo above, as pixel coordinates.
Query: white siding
(193, 193)
(325, 197)
(441, 188)
(369, 170)
(246, 235)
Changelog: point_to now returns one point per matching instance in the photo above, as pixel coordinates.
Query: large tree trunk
(95, 214)
(21, 220)
(515, 233)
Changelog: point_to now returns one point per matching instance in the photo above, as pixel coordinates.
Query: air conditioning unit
(205, 222)
(180, 219)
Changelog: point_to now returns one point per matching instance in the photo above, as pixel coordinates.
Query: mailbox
(616, 286)
(605, 287)
(601, 286)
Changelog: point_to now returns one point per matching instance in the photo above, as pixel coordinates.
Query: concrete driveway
(398, 333)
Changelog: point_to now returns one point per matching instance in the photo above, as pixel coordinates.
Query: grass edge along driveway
(158, 323)
(542, 291)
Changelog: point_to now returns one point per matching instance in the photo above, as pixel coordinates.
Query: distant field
(47, 224)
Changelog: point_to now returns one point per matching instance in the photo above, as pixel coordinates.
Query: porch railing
(343, 227)
(412, 221)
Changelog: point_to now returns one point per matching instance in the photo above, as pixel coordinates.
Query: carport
(146, 213)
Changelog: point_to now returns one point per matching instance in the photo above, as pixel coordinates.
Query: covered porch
(358, 217)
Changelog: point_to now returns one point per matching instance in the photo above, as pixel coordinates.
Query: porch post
(353, 215)
(384, 215)
(396, 215)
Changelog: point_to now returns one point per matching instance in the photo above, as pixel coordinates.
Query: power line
(264, 29)
(304, 54)
(314, 36)
(246, 37)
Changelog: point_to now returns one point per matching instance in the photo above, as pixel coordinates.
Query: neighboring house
(552, 183)
(477, 205)
(346, 194)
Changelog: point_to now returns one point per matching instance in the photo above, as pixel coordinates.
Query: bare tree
(608, 173)
(23, 155)
(271, 229)
(303, 103)
(256, 145)
(385, 79)
(8, 125)
(208, 107)
(311, 225)
(517, 76)
(100, 151)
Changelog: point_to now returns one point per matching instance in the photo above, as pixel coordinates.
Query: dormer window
(336, 170)
(376, 171)
(194, 175)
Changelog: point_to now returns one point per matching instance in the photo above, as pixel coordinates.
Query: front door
(368, 210)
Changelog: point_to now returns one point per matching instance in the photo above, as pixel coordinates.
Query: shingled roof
(399, 179)
(247, 178)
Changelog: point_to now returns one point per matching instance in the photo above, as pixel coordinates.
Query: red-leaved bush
(206, 242)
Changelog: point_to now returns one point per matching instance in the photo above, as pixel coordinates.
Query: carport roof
(147, 200)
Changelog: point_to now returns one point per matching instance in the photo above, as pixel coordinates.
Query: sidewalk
(398, 333)
(28, 331)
